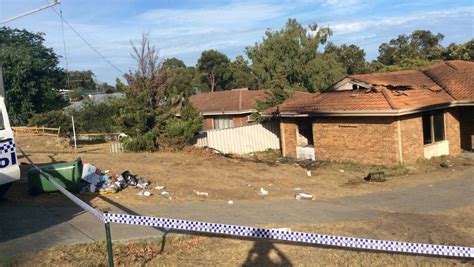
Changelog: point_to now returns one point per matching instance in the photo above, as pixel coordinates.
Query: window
(222, 122)
(433, 127)
(305, 133)
(2, 123)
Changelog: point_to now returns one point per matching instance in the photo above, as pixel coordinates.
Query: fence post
(108, 238)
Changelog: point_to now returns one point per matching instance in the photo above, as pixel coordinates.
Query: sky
(184, 29)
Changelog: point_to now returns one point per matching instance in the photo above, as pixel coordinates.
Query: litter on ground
(375, 177)
(303, 196)
(165, 195)
(95, 181)
(263, 192)
(201, 193)
(230, 202)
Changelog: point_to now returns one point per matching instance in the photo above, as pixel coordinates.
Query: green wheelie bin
(67, 174)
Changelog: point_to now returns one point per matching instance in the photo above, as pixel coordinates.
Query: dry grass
(454, 227)
(225, 179)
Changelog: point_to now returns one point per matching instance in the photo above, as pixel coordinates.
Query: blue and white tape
(76, 200)
(63, 190)
(275, 234)
(297, 237)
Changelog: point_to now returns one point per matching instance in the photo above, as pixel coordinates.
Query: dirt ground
(183, 173)
(454, 227)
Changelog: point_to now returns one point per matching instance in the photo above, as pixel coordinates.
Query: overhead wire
(85, 41)
(68, 81)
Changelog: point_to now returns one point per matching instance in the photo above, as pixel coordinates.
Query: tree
(290, 56)
(241, 74)
(96, 117)
(105, 87)
(143, 113)
(419, 45)
(460, 51)
(173, 63)
(182, 85)
(82, 80)
(31, 73)
(214, 69)
(178, 132)
(351, 57)
(120, 86)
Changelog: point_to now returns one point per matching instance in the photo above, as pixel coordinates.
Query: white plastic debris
(342, 171)
(159, 187)
(308, 173)
(165, 194)
(230, 202)
(263, 192)
(201, 193)
(303, 196)
(270, 184)
(144, 193)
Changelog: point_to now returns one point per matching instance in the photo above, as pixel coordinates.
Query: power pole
(56, 2)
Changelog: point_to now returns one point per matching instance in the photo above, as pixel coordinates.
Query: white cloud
(362, 25)
(232, 15)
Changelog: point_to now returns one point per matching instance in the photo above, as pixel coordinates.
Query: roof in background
(96, 98)
(230, 101)
(441, 83)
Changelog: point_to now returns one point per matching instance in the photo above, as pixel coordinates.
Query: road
(25, 229)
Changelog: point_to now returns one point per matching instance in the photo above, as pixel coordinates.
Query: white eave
(376, 113)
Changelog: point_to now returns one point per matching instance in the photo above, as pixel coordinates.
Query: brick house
(225, 109)
(384, 118)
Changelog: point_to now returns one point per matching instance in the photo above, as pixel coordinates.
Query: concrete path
(25, 229)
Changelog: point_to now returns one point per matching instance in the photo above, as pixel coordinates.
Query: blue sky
(183, 29)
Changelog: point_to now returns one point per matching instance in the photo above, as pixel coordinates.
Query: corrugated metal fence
(242, 140)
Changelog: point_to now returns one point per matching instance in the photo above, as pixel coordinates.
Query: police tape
(63, 190)
(295, 237)
(261, 233)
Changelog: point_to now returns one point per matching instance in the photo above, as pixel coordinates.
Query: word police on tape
(298, 237)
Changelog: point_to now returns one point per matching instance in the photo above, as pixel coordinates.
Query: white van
(9, 168)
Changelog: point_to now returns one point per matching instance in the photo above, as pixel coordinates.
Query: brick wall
(240, 120)
(207, 124)
(411, 133)
(372, 140)
(453, 132)
(288, 135)
(466, 119)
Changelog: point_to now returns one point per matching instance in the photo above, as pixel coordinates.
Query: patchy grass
(452, 227)
(228, 178)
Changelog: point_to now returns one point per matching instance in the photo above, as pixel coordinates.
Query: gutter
(374, 113)
(231, 112)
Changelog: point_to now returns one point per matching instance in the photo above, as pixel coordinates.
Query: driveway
(25, 229)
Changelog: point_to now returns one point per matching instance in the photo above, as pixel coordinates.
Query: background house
(225, 109)
(384, 118)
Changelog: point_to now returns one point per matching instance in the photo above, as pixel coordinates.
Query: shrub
(96, 117)
(53, 119)
(144, 142)
(178, 132)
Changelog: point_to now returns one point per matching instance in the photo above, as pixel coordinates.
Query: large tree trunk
(213, 81)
